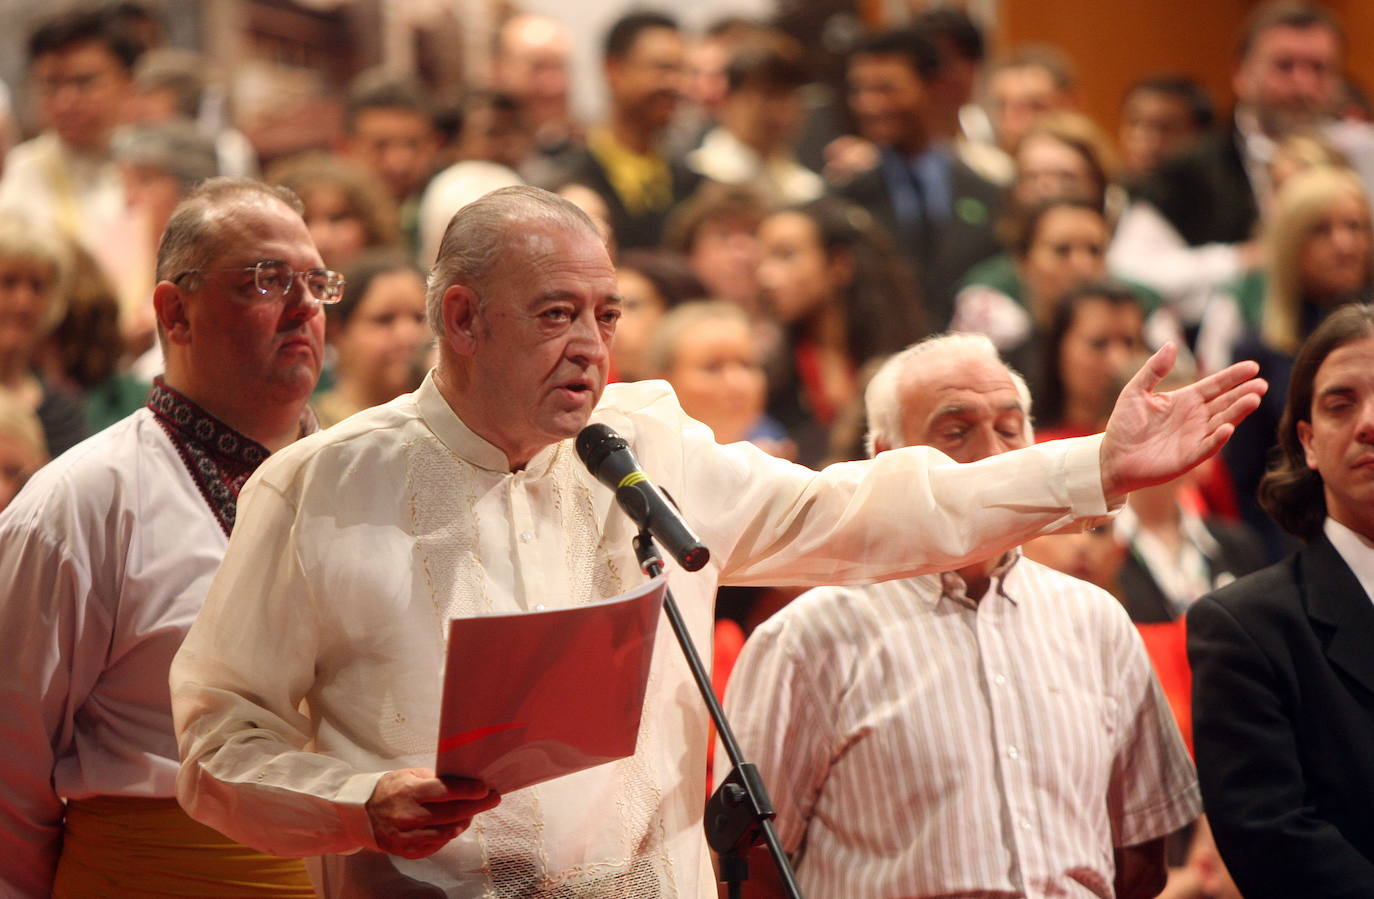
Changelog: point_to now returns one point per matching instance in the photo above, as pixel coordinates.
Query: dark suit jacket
(1283, 726)
(1239, 553)
(940, 259)
(638, 231)
(1204, 192)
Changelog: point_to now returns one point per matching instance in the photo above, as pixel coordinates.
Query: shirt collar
(463, 442)
(953, 588)
(1356, 550)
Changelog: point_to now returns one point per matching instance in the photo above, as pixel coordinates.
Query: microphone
(609, 459)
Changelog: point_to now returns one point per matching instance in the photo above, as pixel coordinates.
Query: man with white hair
(307, 694)
(993, 730)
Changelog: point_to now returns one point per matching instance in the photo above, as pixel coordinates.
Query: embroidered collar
(218, 458)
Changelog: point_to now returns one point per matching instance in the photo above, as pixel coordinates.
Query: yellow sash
(128, 847)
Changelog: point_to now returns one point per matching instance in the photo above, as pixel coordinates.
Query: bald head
(532, 66)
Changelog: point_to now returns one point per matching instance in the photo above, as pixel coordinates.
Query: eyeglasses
(272, 280)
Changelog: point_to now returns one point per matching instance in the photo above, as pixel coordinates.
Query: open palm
(1155, 437)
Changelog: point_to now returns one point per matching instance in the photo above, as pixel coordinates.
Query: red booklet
(536, 695)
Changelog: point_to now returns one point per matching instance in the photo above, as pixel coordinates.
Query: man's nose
(585, 340)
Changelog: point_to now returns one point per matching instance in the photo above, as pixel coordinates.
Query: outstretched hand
(1155, 437)
(414, 814)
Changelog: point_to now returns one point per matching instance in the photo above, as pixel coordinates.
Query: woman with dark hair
(843, 298)
(1096, 331)
(377, 331)
(1053, 245)
(650, 282)
(1282, 666)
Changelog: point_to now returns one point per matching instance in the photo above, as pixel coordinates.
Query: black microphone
(608, 457)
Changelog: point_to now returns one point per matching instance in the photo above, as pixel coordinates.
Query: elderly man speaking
(307, 693)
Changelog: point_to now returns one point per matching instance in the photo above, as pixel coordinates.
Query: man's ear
(1305, 438)
(169, 304)
(461, 314)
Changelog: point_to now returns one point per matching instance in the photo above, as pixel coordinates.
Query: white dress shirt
(917, 744)
(354, 547)
(104, 556)
(1356, 550)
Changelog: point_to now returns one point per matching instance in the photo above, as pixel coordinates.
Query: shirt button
(1025, 825)
(526, 537)
(539, 608)
(999, 680)
(1013, 752)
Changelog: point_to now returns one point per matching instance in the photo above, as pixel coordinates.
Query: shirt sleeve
(1147, 249)
(241, 731)
(907, 512)
(54, 639)
(1153, 789)
(784, 722)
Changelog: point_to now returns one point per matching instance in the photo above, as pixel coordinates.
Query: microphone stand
(739, 813)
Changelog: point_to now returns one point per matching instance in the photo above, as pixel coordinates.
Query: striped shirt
(917, 744)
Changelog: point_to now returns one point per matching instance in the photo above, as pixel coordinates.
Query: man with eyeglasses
(108, 551)
(81, 73)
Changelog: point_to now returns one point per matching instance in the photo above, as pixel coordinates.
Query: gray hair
(177, 148)
(883, 397)
(477, 235)
(191, 234)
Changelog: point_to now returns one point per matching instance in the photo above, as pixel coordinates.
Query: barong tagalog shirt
(915, 743)
(316, 663)
(105, 556)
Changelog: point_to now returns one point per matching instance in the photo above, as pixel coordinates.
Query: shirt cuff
(351, 802)
(1081, 473)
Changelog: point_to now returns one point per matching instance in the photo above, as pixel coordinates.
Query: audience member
(171, 85)
(22, 448)
(377, 331)
(759, 121)
(903, 727)
(1055, 245)
(389, 131)
(1096, 331)
(650, 282)
(843, 297)
(346, 210)
(159, 164)
(1092, 555)
(1024, 86)
(623, 160)
(716, 230)
(705, 84)
(706, 351)
(108, 551)
(34, 272)
(1161, 116)
(80, 64)
(494, 129)
(1320, 255)
(955, 118)
(1065, 155)
(531, 66)
(1174, 554)
(939, 212)
(84, 353)
(1188, 232)
(1281, 663)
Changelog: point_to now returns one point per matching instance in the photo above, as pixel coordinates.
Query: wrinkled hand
(1155, 437)
(414, 814)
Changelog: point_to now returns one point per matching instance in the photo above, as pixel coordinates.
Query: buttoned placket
(1009, 731)
(525, 532)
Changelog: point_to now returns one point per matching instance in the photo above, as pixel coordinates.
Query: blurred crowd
(777, 231)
